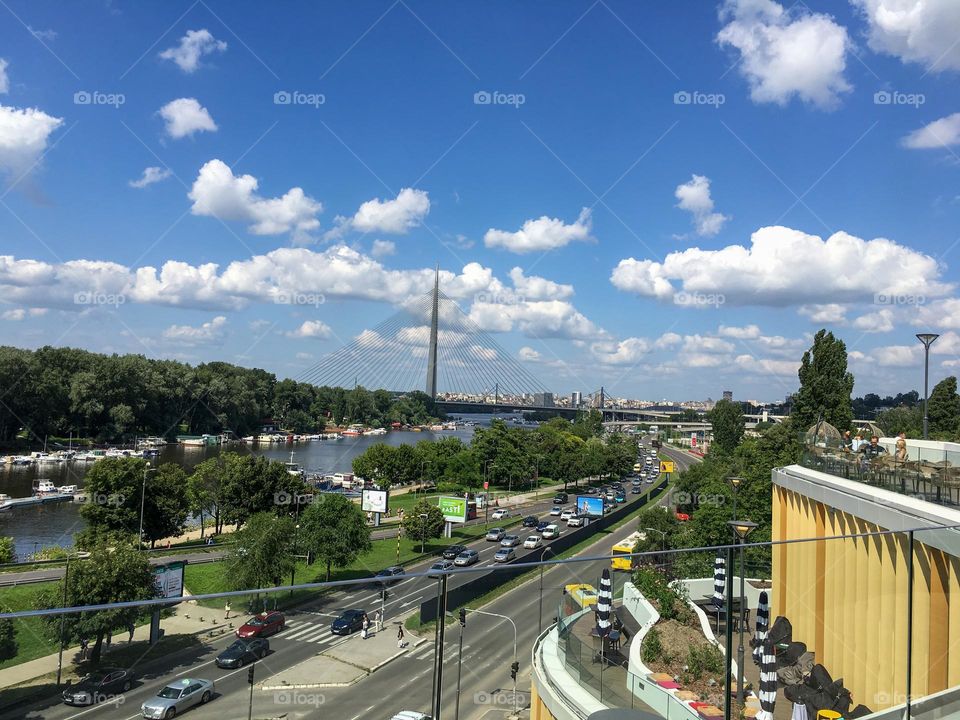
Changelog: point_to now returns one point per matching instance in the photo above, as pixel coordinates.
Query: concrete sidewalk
(345, 663)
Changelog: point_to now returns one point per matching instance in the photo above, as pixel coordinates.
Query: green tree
(588, 424)
(727, 421)
(165, 504)
(204, 488)
(825, 385)
(943, 409)
(423, 528)
(8, 640)
(334, 530)
(904, 419)
(7, 553)
(112, 574)
(262, 553)
(113, 488)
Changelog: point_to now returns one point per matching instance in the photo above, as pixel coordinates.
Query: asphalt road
(405, 683)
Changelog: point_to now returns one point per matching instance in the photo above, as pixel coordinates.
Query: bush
(652, 648)
(704, 659)
(669, 599)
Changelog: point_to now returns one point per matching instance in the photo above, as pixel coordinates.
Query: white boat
(43, 487)
(294, 468)
(47, 458)
(375, 431)
(5, 502)
(68, 489)
(22, 460)
(249, 439)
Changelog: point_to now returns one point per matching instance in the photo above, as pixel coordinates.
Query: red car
(262, 625)
(683, 517)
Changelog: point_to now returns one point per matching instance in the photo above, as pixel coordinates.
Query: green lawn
(31, 633)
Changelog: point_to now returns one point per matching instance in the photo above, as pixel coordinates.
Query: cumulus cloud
(383, 248)
(832, 313)
(537, 319)
(209, 333)
(528, 354)
(787, 53)
(4, 78)
(23, 137)
(941, 133)
(193, 46)
(747, 332)
(533, 287)
(150, 176)
(694, 197)
(875, 322)
(14, 315)
(186, 116)
(941, 314)
(706, 344)
(542, 234)
(218, 193)
(668, 340)
(920, 31)
(628, 351)
(767, 366)
(783, 267)
(396, 217)
(311, 329)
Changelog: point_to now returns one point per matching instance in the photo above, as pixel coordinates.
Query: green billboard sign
(454, 509)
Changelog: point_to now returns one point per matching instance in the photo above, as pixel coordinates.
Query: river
(38, 526)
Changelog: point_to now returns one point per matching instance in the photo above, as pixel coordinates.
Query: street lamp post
(510, 620)
(63, 618)
(423, 530)
(540, 614)
(486, 488)
(741, 530)
(735, 483)
(927, 339)
(143, 496)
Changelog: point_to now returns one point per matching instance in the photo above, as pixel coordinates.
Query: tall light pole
(735, 483)
(143, 496)
(513, 672)
(927, 339)
(740, 530)
(542, 555)
(63, 618)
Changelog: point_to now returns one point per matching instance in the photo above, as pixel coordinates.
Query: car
(609, 496)
(551, 531)
(495, 534)
(620, 497)
(499, 514)
(348, 622)
(243, 651)
(410, 715)
(267, 623)
(510, 541)
(683, 517)
(541, 525)
(103, 684)
(575, 521)
(567, 514)
(178, 696)
(591, 491)
(451, 551)
(636, 488)
(532, 542)
(467, 557)
(556, 510)
(560, 498)
(440, 567)
(530, 521)
(388, 576)
(504, 554)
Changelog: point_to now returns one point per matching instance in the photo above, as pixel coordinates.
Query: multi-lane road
(406, 682)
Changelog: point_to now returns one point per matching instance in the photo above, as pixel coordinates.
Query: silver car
(177, 697)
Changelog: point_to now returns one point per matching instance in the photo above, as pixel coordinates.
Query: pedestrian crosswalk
(316, 633)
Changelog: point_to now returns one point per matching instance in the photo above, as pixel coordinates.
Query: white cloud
(938, 134)
(706, 344)
(667, 340)
(311, 329)
(921, 31)
(625, 352)
(396, 217)
(832, 313)
(185, 116)
(14, 315)
(528, 354)
(303, 356)
(875, 322)
(4, 78)
(941, 314)
(193, 46)
(209, 333)
(217, 192)
(537, 319)
(48, 35)
(533, 287)
(897, 355)
(383, 248)
(150, 176)
(766, 366)
(787, 53)
(694, 197)
(748, 332)
(784, 267)
(23, 137)
(542, 234)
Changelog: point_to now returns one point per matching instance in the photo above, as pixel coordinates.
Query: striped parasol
(768, 682)
(719, 581)
(762, 625)
(604, 604)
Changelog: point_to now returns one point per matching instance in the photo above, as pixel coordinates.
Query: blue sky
(666, 202)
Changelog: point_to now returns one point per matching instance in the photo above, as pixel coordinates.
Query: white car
(575, 521)
(410, 715)
(567, 514)
(551, 531)
(532, 542)
(556, 510)
(499, 514)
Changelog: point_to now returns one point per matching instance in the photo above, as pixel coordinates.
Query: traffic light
(383, 593)
(250, 674)
(514, 668)
(463, 617)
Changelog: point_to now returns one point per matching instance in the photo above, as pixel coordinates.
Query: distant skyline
(667, 202)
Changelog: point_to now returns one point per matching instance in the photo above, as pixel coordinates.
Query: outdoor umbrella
(768, 682)
(763, 621)
(719, 581)
(604, 604)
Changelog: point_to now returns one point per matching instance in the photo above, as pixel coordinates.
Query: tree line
(60, 392)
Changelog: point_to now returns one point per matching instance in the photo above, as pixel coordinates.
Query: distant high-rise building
(728, 394)
(544, 399)
(576, 399)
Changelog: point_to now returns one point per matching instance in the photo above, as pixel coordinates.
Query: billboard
(454, 509)
(169, 579)
(666, 466)
(589, 506)
(374, 501)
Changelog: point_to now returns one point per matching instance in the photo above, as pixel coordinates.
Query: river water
(38, 526)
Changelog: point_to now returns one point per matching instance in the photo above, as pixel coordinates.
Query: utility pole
(438, 645)
(463, 624)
